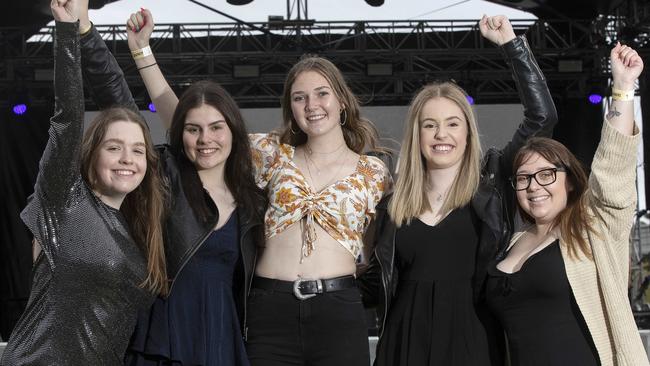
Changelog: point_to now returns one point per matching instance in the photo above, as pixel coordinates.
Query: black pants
(326, 330)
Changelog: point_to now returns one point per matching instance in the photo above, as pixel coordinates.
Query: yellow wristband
(622, 95)
(141, 53)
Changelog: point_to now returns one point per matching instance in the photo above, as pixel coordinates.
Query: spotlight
(375, 2)
(152, 108)
(470, 100)
(239, 2)
(20, 109)
(595, 98)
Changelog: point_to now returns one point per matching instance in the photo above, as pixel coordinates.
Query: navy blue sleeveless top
(198, 323)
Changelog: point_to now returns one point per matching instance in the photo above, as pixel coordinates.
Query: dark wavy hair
(574, 219)
(143, 208)
(238, 172)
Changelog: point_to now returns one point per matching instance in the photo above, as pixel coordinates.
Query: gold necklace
(311, 152)
(308, 160)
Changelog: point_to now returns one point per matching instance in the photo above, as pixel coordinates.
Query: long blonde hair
(406, 202)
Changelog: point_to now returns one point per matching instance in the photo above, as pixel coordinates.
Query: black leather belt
(304, 288)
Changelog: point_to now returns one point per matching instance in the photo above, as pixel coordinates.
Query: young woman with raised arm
(213, 227)
(450, 212)
(560, 289)
(96, 216)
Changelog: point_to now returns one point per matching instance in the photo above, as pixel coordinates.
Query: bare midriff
(280, 259)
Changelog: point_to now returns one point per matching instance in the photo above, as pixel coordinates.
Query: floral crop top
(343, 209)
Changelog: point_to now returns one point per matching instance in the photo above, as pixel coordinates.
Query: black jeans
(326, 330)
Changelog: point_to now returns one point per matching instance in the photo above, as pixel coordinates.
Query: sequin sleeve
(266, 156)
(59, 179)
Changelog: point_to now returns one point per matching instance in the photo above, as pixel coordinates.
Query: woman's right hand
(64, 10)
(139, 27)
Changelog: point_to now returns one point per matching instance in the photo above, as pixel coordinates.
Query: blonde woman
(447, 218)
(561, 290)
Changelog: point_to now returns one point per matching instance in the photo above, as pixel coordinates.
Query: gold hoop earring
(345, 117)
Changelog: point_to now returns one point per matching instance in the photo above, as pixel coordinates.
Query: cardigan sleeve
(612, 187)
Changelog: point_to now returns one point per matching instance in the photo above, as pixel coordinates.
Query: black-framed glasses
(543, 177)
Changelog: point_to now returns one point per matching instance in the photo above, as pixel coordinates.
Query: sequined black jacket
(184, 233)
(86, 282)
(494, 202)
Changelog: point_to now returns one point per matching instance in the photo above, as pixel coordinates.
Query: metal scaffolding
(385, 62)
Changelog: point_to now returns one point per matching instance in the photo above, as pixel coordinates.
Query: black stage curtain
(22, 141)
(579, 127)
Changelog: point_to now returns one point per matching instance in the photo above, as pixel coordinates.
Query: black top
(86, 288)
(539, 313)
(432, 320)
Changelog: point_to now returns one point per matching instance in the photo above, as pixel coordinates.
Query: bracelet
(622, 95)
(141, 53)
(144, 67)
(82, 33)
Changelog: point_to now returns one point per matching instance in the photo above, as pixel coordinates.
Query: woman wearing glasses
(560, 290)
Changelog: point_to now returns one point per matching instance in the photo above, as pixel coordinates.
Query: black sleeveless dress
(432, 320)
(539, 313)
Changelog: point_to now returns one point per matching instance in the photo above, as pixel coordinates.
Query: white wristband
(141, 53)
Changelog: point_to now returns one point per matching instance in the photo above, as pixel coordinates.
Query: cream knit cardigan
(600, 286)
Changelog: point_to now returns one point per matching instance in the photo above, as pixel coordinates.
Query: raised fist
(139, 27)
(626, 66)
(496, 29)
(64, 10)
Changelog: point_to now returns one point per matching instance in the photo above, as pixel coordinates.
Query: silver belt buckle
(299, 295)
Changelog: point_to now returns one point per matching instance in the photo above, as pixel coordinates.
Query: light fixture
(375, 2)
(379, 69)
(20, 109)
(595, 98)
(43, 74)
(239, 2)
(246, 71)
(569, 66)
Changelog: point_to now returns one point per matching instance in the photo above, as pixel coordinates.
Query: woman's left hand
(497, 29)
(626, 66)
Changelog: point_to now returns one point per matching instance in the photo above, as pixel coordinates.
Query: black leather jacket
(184, 233)
(494, 202)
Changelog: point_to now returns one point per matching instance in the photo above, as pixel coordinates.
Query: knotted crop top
(343, 209)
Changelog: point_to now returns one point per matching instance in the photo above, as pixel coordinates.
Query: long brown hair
(143, 208)
(408, 199)
(238, 171)
(574, 219)
(359, 133)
